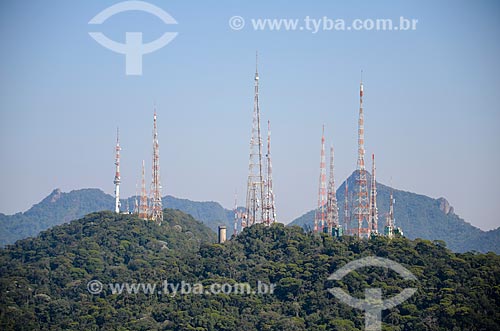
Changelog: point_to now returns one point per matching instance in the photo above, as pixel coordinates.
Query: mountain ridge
(420, 216)
(61, 207)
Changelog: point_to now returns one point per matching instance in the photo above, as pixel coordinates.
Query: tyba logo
(373, 304)
(133, 48)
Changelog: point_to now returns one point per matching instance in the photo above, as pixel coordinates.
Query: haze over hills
(44, 280)
(420, 216)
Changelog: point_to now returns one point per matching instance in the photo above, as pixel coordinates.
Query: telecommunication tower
(255, 184)
(389, 221)
(332, 210)
(269, 200)
(347, 221)
(143, 206)
(320, 216)
(390, 229)
(117, 180)
(373, 201)
(361, 209)
(156, 208)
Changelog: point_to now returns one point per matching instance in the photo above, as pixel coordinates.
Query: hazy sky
(431, 100)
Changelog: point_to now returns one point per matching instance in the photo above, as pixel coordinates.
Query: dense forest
(43, 280)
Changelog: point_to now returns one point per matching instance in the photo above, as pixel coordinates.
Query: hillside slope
(59, 207)
(420, 217)
(44, 280)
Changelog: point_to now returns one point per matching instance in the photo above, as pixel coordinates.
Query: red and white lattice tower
(361, 204)
(156, 208)
(347, 221)
(320, 216)
(117, 180)
(143, 202)
(373, 201)
(255, 184)
(269, 199)
(332, 210)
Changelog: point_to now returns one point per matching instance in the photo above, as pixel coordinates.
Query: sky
(431, 100)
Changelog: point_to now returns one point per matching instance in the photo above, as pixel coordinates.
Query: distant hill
(43, 280)
(59, 207)
(420, 217)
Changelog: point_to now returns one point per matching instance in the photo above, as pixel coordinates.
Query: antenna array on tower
(156, 209)
(361, 209)
(255, 184)
(260, 199)
(364, 206)
(347, 220)
(373, 201)
(269, 203)
(320, 216)
(332, 210)
(143, 206)
(117, 180)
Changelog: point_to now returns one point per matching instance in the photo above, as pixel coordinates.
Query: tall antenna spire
(117, 180)
(269, 204)
(143, 207)
(390, 225)
(332, 210)
(361, 129)
(256, 63)
(320, 217)
(156, 204)
(373, 201)
(361, 209)
(255, 188)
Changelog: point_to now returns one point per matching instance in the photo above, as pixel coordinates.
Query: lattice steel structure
(269, 198)
(373, 201)
(237, 214)
(320, 216)
(390, 226)
(332, 210)
(347, 220)
(143, 202)
(117, 180)
(156, 208)
(361, 204)
(255, 184)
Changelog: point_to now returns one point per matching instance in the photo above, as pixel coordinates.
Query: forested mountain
(59, 207)
(420, 217)
(44, 280)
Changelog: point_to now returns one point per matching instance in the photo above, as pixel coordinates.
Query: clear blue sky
(432, 100)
